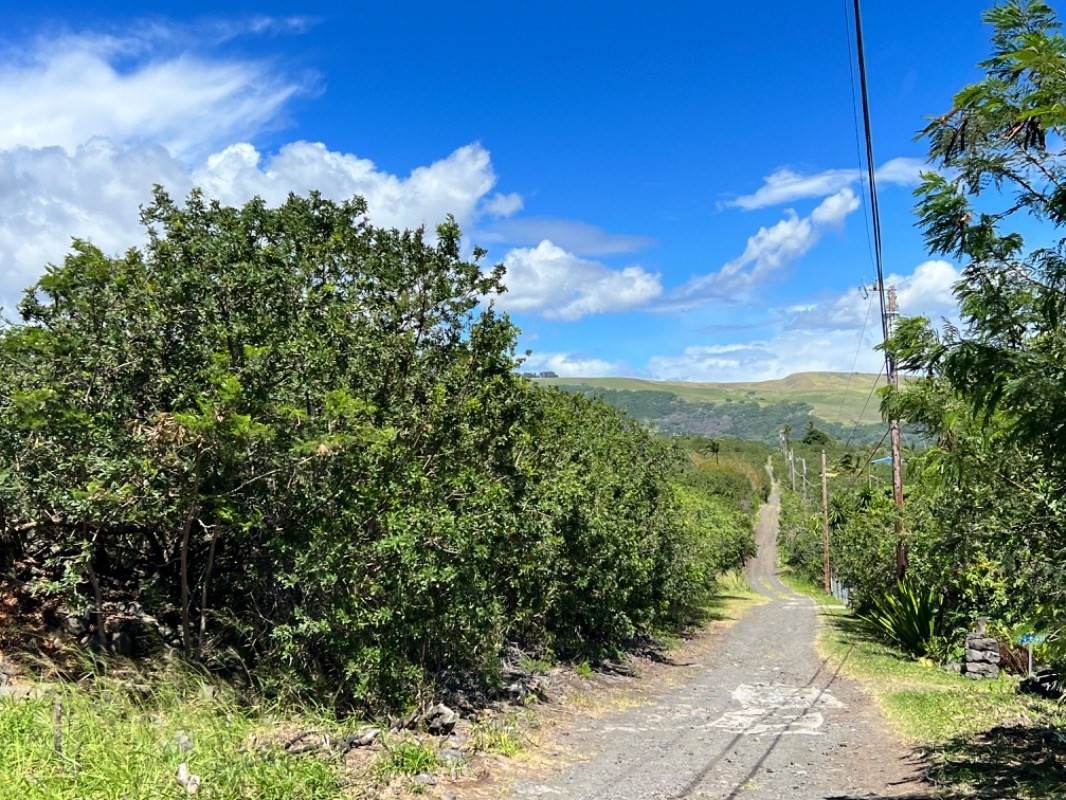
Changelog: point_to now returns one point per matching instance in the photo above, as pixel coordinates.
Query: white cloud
(837, 333)
(92, 121)
(929, 290)
(578, 237)
(766, 359)
(786, 185)
(571, 365)
(48, 195)
(559, 285)
(926, 292)
(832, 211)
(902, 171)
(67, 90)
(503, 205)
(767, 254)
(453, 185)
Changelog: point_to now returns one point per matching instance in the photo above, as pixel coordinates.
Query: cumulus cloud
(927, 292)
(578, 237)
(453, 185)
(503, 205)
(557, 284)
(836, 333)
(575, 365)
(767, 254)
(64, 91)
(48, 195)
(787, 185)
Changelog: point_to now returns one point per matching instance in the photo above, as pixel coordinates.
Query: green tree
(816, 437)
(987, 498)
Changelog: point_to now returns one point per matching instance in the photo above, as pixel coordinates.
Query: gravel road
(763, 718)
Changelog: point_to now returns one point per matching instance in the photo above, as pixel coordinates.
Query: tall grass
(122, 739)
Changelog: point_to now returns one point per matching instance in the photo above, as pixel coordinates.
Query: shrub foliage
(301, 437)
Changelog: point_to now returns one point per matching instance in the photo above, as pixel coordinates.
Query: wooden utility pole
(825, 524)
(888, 309)
(897, 452)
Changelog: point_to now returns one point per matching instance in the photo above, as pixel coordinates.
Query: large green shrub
(293, 435)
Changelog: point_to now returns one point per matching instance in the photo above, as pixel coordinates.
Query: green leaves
(301, 438)
(991, 390)
(910, 617)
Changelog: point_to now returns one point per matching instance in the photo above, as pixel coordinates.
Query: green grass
(831, 394)
(502, 735)
(120, 741)
(733, 597)
(979, 738)
(404, 758)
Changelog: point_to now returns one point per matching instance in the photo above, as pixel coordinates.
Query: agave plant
(910, 617)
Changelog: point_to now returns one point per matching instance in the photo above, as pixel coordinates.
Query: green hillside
(833, 396)
(842, 405)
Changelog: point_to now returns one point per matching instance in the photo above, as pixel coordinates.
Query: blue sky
(673, 186)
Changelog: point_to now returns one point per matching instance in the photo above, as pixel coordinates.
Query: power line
(855, 361)
(858, 420)
(855, 117)
(858, 474)
(865, 216)
(871, 172)
(888, 309)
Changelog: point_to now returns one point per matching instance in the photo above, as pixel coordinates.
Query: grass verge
(734, 597)
(118, 738)
(127, 735)
(978, 738)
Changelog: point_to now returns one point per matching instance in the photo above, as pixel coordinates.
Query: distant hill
(838, 403)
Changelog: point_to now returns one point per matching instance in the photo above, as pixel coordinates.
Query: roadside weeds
(975, 738)
(176, 733)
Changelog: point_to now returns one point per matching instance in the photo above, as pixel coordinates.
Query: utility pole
(897, 453)
(825, 525)
(888, 309)
(792, 467)
(804, 462)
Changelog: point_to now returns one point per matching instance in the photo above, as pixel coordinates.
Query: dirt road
(764, 718)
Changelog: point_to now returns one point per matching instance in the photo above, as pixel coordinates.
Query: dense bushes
(292, 435)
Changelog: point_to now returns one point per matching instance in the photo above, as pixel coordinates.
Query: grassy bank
(124, 734)
(127, 738)
(979, 738)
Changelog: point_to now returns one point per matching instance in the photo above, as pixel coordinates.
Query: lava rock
(440, 720)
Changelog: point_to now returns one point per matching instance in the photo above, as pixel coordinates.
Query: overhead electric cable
(888, 308)
(847, 489)
(858, 420)
(871, 171)
(855, 118)
(855, 361)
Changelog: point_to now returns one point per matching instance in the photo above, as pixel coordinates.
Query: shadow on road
(1004, 763)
